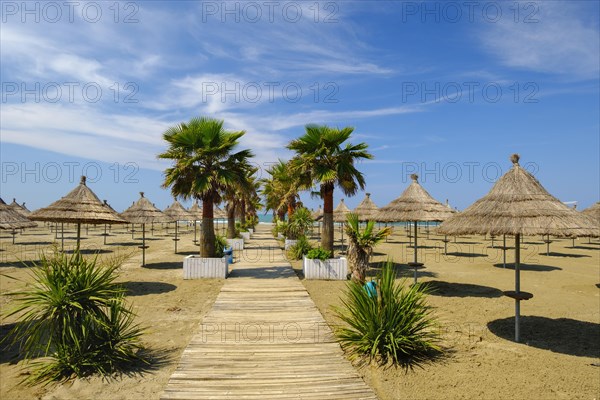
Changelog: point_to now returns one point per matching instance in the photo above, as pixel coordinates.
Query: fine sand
(558, 357)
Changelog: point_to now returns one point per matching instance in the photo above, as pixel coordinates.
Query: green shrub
(220, 245)
(396, 325)
(302, 247)
(300, 223)
(319, 254)
(74, 314)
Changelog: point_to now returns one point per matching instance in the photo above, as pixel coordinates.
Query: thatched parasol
(2, 201)
(144, 212)
(13, 220)
(593, 212)
(178, 213)
(19, 208)
(414, 204)
(318, 214)
(79, 206)
(340, 212)
(366, 209)
(519, 205)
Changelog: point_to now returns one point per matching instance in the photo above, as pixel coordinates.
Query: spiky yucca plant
(361, 243)
(394, 326)
(73, 314)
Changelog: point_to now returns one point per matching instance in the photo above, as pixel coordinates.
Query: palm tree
(361, 243)
(204, 164)
(281, 190)
(321, 159)
(236, 194)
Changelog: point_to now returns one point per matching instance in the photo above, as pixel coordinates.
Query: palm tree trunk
(207, 239)
(243, 211)
(327, 237)
(290, 210)
(231, 220)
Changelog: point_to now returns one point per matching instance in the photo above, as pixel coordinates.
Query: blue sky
(444, 89)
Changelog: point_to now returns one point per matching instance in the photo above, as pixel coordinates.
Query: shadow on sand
(561, 335)
(554, 254)
(164, 265)
(144, 288)
(451, 289)
(529, 267)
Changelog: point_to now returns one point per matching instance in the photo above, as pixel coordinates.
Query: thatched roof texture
(80, 205)
(11, 219)
(414, 204)
(366, 210)
(593, 212)
(519, 204)
(178, 213)
(196, 211)
(340, 212)
(317, 215)
(19, 208)
(219, 213)
(144, 212)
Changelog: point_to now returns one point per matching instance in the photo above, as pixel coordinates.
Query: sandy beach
(558, 358)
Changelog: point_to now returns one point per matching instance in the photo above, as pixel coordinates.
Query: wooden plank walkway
(264, 338)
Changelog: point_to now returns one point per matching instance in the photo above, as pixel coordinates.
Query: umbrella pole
(517, 286)
(78, 237)
(195, 231)
(105, 233)
(415, 251)
(504, 250)
(62, 236)
(143, 244)
(176, 237)
(14, 233)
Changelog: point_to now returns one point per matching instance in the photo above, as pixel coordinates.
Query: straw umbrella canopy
(340, 212)
(593, 212)
(414, 204)
(13, 220)
(144, 212)
(366, 209)
(519, 205)
(339, 215)
(318, 214)
(178, 213)
(19, 208)
(2, 201)
(80, 206)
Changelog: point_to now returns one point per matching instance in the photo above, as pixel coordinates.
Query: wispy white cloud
(559, 39)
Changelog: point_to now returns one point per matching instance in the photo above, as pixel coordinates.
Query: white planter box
(333, 268)
(251, 231)
(245, 235)
(236, 244)
(279, 236)
(195, 267)
(289, 243)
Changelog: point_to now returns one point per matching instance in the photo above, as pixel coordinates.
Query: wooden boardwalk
(264, 338)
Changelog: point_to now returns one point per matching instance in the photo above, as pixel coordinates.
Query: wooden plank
(264, 338)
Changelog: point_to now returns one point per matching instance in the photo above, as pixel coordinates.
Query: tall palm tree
(282, 187)
(204, 164)
(321, 158)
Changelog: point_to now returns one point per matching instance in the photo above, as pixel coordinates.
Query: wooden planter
(331, 269)
(237, 244)
(289, 243)
(196, 267)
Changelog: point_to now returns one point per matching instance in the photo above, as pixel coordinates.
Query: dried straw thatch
(196, 211)
(340, 212)
(81, 205)
(414, 204)
(366, 210)
(11, 219)
(19, 208)
(144, 212)
(519, 204)
(593, 212)
(219, 213)
(178, 213)
(317, 215)
(2, 201)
